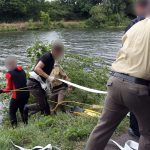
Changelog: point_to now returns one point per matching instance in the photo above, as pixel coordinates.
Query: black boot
(25, 114)
(14, 124)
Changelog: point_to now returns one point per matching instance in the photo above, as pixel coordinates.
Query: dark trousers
(14, 105)
(40, 97)
(122, 97)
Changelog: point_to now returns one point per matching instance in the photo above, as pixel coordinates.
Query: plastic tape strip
(82, 87)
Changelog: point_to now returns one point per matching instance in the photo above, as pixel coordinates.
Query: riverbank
(25, 26)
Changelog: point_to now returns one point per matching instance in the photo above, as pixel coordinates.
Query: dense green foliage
(99, 11)
(110, 13)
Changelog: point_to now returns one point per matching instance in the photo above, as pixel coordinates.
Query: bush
(45, 19)
(98, 16)
(103, 16)
(35, 51)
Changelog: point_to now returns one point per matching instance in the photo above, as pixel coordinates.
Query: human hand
(51, 78)
(70, 89)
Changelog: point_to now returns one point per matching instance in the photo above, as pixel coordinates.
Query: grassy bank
(66, 131)
(24, 26)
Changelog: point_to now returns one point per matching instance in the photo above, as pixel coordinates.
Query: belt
(131, 79)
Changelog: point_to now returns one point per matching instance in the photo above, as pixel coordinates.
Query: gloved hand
(51, 78)
(1, 91)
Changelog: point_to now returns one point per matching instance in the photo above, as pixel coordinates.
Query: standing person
(16, 79)
(128, 87)
(59, 89)
(139, 7)
(43, 68)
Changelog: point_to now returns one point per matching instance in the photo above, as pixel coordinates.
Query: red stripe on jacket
(10, 85)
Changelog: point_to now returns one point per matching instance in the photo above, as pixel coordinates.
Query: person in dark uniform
(140, 6)
(16, 79)
(43, 69)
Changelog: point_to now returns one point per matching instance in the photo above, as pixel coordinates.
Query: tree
(12, 9)
(98, 16)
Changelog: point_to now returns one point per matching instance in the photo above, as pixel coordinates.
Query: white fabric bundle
(48, 147)
(129, 145)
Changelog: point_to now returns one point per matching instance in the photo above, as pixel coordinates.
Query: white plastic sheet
(129, 145)
(48, 147)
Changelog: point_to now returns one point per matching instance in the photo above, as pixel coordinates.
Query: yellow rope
(62, 103)
(57, 104)
(21, 89)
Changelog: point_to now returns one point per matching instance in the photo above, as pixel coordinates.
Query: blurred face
(58, 53)
(139, 10)
(11, 64)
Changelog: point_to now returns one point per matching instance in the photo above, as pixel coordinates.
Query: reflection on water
(86, 42)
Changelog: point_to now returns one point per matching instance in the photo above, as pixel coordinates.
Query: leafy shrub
(107, 15)
(35, 51)
(45, 19)
(98, 16)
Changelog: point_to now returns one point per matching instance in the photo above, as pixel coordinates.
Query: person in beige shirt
(134, 57)
(128, 87)
(59, 89)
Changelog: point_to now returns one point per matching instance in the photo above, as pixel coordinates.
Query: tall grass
(65, 131)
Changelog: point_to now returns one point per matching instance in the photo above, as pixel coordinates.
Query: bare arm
(39, 70)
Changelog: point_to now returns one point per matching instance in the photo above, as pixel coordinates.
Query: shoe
(14, 124)
(25, 114)
(132, 133)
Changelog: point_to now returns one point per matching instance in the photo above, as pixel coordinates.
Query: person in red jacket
(16, 83)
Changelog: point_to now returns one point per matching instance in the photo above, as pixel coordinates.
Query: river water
(85, 42)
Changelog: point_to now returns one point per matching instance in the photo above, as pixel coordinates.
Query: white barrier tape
(129, 145)
(48, 147)
(46, 87)
(82, 87)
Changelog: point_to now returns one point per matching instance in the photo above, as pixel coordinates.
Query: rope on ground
(57, 105)
(63, 103)
(22, 89)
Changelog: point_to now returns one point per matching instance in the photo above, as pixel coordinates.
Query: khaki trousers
(58, 98)
(122, 97)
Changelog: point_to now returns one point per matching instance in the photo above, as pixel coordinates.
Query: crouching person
(59, 89)
(16, 83)
(40, 76)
